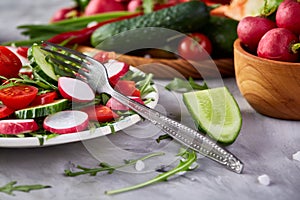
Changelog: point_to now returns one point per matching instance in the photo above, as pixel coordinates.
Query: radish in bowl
(68, 121)
(75, 90)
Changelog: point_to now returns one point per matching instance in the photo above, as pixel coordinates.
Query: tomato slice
(18, 96)
(5, 111)
(100, 113)
(45, 98)
(127, 88)
(10, 63)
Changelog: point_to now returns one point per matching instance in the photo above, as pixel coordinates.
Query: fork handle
(183, 134)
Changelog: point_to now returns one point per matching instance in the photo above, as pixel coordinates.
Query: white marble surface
(265, 145)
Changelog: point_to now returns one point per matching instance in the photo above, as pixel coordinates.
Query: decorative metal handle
(183, 134)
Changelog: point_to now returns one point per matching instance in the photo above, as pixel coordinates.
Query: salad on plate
(43, 103)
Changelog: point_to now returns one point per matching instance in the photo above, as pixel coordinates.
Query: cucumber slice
(42, 110)
(38, 60)
(216, 113)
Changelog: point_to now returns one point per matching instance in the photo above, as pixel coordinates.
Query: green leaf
(106, 167)
(181, 85)
(10, 187)
(270, 7)
(184, 165)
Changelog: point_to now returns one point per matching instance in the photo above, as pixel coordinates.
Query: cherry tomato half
(5, 111)
(127, 88)
(10, 63)
(196, 46)
(100, 113)
(44, 98)
(18, 96)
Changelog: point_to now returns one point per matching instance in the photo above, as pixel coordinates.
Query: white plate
(79, 136)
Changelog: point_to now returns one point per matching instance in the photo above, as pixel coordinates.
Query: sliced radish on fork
(68, 121)
(115, 70)
(75, 90)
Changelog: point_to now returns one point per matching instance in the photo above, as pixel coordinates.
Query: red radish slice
(114, 104)
(75, 90)
(64, 122)
(17, 126)
(116, 70)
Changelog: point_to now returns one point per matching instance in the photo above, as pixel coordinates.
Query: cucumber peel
(38, 60)
(42, 110)
(216, 113)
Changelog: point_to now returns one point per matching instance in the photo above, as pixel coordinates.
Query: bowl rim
(238, 47)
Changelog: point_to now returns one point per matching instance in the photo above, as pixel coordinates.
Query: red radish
(103, 56)
(250, 30)
(22, 51)
(116, 105)
(279, 44)
(64, 13)
(288, 15)
(75, 90)
(101, 6)
(68, 121)
(134, 5)
(18, 126)
(115, 70)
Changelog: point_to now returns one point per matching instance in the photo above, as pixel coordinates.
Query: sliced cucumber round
(42, 110)
(215, 112)
(38, 60)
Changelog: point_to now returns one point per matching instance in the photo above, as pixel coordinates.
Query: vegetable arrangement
(276, 39)
(88, 23)
(50, 100)
(38, 95)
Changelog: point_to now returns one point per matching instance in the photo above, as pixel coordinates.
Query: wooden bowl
(170, 68)
(271, 87)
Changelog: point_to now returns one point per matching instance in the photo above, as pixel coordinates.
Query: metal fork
(96, 75)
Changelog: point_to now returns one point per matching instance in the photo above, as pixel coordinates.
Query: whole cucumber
(182, 18)
(222, 31)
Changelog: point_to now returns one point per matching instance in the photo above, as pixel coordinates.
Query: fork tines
(62, 59)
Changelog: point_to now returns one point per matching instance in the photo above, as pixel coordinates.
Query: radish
(116, 105)
(75, 90)
(288, 15)
(68, 121)
(101, 6)
(279, 44)
(134, 5)
(116, 70)
(18, 126)
(250, 30)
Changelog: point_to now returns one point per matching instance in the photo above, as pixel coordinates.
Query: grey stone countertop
(265, 145)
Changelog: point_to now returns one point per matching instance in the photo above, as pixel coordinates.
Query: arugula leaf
(10, 187)
(184, 165)
(180, 85)
(106, 167)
